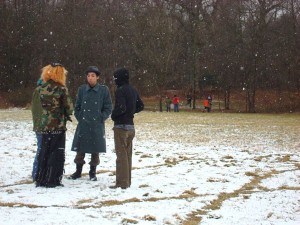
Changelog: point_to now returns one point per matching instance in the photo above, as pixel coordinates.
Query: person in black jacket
(127, 103)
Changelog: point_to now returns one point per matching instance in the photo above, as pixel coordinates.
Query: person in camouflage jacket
(57, 109)
(57, 106)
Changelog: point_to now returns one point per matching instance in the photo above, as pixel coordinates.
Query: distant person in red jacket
(206, 105)
(175, 102)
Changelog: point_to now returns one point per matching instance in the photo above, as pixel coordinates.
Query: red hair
(56, 73)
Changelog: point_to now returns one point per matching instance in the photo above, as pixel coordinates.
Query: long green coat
(93, 106)
(36, 110)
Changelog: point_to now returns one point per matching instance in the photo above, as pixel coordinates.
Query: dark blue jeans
(176, 107)
(35, 162)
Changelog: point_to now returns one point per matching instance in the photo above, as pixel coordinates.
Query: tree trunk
(251, 101)
(227, 98)
(160, 104)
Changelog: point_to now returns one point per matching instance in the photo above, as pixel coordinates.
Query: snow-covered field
(189, 168)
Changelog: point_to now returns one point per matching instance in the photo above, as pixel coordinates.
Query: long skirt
(51, 159)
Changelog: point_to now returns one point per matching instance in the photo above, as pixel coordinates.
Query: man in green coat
(37, 112)
(93, 106)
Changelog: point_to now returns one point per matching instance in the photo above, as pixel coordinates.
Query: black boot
(92, 173)
(77, 173)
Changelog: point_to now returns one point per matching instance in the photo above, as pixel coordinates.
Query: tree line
(244, 45)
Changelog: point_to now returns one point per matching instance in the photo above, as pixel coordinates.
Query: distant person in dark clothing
(168, 103)
(127, 103)
(189, 100)
(209, 98)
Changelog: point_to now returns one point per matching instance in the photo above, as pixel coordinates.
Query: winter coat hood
(121, 77)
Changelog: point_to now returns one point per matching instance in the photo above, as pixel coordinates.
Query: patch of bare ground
(88, 203)
(195, 217)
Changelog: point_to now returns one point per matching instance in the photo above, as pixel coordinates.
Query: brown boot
(77, 173)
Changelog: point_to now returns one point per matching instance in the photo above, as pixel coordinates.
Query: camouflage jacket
(57, 106)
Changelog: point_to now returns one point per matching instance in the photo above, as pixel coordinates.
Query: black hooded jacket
(127, 100)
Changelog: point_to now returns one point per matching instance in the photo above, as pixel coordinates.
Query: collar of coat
(96, 88)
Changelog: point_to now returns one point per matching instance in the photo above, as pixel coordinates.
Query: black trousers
(51, 159)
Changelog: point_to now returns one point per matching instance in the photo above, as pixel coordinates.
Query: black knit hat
(92, 69)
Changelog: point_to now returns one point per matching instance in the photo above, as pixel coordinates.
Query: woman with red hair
(57, 108)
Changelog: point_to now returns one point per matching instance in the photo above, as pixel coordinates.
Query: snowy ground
(189, 168)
